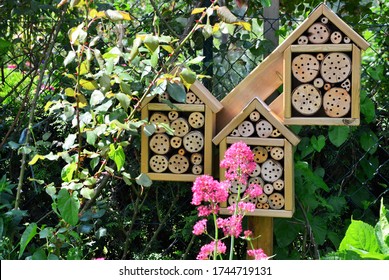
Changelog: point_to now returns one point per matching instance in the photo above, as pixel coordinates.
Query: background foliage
(69, 110)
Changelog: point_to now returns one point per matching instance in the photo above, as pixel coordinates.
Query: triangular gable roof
(264, 110)
(267, 76)
(201, 92)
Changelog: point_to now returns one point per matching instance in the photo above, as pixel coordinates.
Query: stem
(48, 52)
(216, 236)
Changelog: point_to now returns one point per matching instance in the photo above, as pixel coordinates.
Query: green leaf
(94, 162)
(124, 100)
(69, 58)
(360, 235)
(91, 137)
(266, 3)
(96, 98)
(177, 92)
(149, 129)
(318, 143)
(125, 88)
(188, 77)
(127, 178)
(225, 15)
(207, 31)
(88, 85)
(338, 134)
(382, 230)
(69, 141)
(285, 232)
(1, 227)
(68, 206)
(101, 232)
(134, 49)
(117, 155)
(368, 109)
(196, 60)
(87, 193)
(151, 42)
(67, 172)
(143, 180)
(369, 141)
(35, 159)
(154, 58)
(27, 236)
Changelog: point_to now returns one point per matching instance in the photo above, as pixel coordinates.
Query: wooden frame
(354, 118)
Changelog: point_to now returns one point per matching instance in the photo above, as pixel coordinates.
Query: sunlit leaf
(143, 180)
(188, 77)
(245, 25)
(69, 58)
(68, 171)
(68, 206)
(96, 98)
(198, 10)
(35, 159)
(134, 49)
(87, 193)
(88, 85)
(84, 68)
(117, 155)
(151, 42)
(124, 100)
(69, 92)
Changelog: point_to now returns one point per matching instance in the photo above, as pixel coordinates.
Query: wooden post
(263, 226)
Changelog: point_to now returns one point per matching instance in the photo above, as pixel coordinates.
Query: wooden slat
(321, 48)
(178, 107)
(263, 213)
(321, 121)
(289, 177)
(144, 166)
(209, 133)
(263, 227)
(277, 106)
(347, 30)
(257, 141)
(287, 83)
(172, 177)
(222, 151)
(355, 82)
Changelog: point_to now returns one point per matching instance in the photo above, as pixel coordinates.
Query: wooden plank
(347, 30)
(179, 107)
(321, 48)
(355, 83)
(263, 227)
(289, 177)
(287, 83)
(208, 134)
(277, 106)
(203, 93)
(257, 141)
(222, 177)
(263, 213)
(172, 177)
(321, 121)
(144, 166)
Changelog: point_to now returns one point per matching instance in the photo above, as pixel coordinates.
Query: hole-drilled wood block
(336, 67)
(305, 67)
(256, 180)
(252, 200)
(178, 164)
(194, 141)
(277, 153)
(320, 56)
(197, 169)
(275, 133)
(176, 142)
(181, 152)
(173, 115)
(346, 40)
(246, 129)
(158, 163)
(271, 170)
(346, 85)
(306, 99)
(235, 185)
(327, 86)
(257, 171)
(259, 205)
(278, 184)
(191, 97)
(302, 40)
(324, 20)
(196, 120)
(318, 33)
(160, 144)
(268, 189)
(318, 82)
(336, 37)
(336, 102)
(276, 201)
(196, 158)
(265, 206)
(235, 133)
(159, 118)
(180, 126)
(163, 97)
(262, 198)
(260, 154)
(264, 129)
(232, 199)
(255, 116)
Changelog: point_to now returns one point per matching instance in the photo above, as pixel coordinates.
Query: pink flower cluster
(239, 162)
(207, 250)
(231, 226)
(206, 189)
(257, 254)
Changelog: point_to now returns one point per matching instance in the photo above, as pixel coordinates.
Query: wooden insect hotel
(271, 143)
(322, 72)
(188, 153)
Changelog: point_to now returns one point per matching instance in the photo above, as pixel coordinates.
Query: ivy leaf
(361, 236)
(27, 236)
(368, 109)
(177, 92)
(369, 141)
(318, 143)
(143, 180)
(68, 206)
(117, 155)
(382, 230)
(68, 171)
(338, 134)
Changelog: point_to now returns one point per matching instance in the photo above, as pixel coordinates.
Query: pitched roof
(265, 111)
(267, 76)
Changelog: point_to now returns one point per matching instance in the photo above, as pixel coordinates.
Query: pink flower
(206, 189)
(231, 226)
(239, 162)
(254, 190)
(258, 254)
(98, 259)
(208, 249)
(200, 227)
(248, 234)
(205, 210)
(246, 207)
(11, 66)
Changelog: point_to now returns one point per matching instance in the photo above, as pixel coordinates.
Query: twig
(162, 19)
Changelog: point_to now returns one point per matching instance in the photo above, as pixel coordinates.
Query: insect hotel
(188, 153)
(322, 72)
(271, 143)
